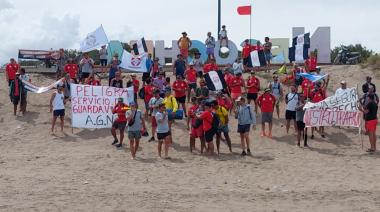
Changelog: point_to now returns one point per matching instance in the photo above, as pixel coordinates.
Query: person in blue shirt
(149, 66)
(179, 66)
(114, 67)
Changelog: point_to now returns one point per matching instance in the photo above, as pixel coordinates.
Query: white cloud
(4, 5)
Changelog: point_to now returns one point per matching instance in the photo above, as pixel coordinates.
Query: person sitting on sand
(370, 117)
(163, 131)
(57, 106)
(120, 122)
(136, 124)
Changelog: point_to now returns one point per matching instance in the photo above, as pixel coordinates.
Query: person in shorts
(291, 100)
(267, 51)
(246, 54)
(184, 44)
(266, 102)
(57, 106)
(154, 103)
(222, 114)
(136, 125)
(163, 131)
(103, 58)
(370, 117)
(180, 88)
(195, 131)
(246, 118)
(253, 88)
(120, 122)
(210, 46)
(276, 89)
(207, 117)
(301, 130)
(191, 79)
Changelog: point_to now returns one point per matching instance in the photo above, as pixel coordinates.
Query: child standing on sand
(57, 106)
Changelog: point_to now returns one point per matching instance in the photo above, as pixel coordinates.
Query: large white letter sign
(232, 55)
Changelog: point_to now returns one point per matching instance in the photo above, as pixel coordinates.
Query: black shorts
(16, 100)
(145, 76)
(301, 125)
(119, 125)
(85, 75)
(181, 99)
(103, 62)
(289, 115)
(243, 128)
(252, 96)
(209, 135)
(59, 113)
(193, 86)
(161, 136)
(247, 62)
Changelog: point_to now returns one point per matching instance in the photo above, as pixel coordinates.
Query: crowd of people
(208, 115)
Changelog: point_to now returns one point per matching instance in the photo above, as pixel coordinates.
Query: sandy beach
(82, 171)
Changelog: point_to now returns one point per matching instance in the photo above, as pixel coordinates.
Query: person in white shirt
(238, 66)
(223, 36)
(57, 106)
(291, 100)
(342, 89)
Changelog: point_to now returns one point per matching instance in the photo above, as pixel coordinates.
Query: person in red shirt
(120, 122)
(195, 131)
(136, 86)
(253, 88)
(11, 69)
(180, 88)
(311, 63)
(236, 86)
(191, 79)
(207, 117)
(224, 101)
(317, 95)
(246, 55)
(148, 94)
(228, 77)
(92, 80)
(212, 66)
(257, 47)
(72, 69)
(307, 86)
(267, 102)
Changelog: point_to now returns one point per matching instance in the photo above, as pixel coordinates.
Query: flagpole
(250, 26)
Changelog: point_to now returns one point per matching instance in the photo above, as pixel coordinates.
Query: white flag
(299, 56)
(94, 40)
(255, 59)
(134, 63)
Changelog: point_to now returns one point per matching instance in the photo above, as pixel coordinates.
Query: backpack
(215, 122)
(142, 93)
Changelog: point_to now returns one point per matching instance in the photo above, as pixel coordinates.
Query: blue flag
(312, 77)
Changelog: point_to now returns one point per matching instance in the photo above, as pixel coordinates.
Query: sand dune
(81, 171)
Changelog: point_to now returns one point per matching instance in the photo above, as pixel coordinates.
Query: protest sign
(346, 101)
(316, 118)
(91, 106)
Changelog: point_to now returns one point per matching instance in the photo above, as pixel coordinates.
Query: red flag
(244, 10)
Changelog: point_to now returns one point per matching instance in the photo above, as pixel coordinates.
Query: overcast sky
(44, 24)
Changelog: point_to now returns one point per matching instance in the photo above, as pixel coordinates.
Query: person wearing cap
(253, 88)
(16, 92)
(103, 58)
(210, 45)
(120, 122)
(10, 70)
(72, 69)
(246, 54)
(342, 89)
(195, 131)
(57, 106)
(202, 92)
(180, 88)
(179, 66)
(266, 102)
(367, 84)
(198, 64)
(207, 117)
(317, 95)
(163, 131)
(184, 44)
(154, 103)
(223, 36)
(61, 61)
(246, 118)
(222, 114)
(87, 66)
(276, 89)
(191, 79)
(136, 125)
(136, 86)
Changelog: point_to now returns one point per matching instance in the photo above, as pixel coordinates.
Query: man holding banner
(120, 122)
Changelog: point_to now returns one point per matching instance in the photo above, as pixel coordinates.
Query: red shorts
(154, 122)
(234, 96)
(197, 133)
(371, 125)
(184, 53)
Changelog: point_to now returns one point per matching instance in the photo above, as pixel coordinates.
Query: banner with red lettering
(91, 106)
(316, 118)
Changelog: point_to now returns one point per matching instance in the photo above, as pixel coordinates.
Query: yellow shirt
(171, 103)
(222, 113)
(184, 43)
